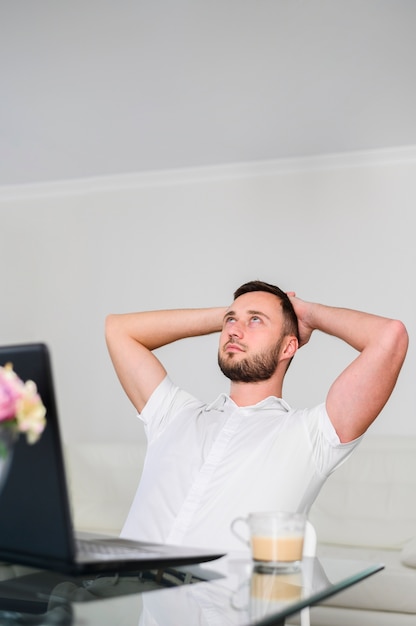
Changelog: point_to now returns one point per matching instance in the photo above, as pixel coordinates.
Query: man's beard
(253, 369)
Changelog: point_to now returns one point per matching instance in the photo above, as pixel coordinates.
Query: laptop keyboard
(91, 547)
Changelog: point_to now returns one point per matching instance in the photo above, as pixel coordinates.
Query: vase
(7, 441)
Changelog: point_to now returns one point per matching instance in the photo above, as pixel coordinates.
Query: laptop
(36, 528)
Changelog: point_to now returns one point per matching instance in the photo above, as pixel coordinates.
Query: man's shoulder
(168, 396)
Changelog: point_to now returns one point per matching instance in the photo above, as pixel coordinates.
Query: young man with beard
(248, 451)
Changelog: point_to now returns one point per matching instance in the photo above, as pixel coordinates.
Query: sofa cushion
(392, 589)
(370, 500)
(408, 554)
(103, 478)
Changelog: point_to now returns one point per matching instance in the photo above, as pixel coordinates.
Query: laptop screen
(34, 507)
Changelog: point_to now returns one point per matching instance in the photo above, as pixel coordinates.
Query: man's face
(251, 338)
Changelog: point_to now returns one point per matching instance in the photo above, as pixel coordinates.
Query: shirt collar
(268, 403)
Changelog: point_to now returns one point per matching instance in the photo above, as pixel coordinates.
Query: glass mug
(275, 538)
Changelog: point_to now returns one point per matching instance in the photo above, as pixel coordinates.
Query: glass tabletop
(227, 592)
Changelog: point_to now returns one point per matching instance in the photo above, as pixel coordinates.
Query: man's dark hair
(290, 320)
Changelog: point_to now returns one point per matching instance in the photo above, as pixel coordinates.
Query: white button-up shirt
(208, 464)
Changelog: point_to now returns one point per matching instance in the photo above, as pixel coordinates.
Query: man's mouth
(233, 346)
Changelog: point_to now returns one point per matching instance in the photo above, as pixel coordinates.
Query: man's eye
(256, 319)
(230, 320)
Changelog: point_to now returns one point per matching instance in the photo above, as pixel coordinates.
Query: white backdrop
(337, 230)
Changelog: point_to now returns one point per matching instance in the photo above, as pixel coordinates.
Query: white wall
(337, 230)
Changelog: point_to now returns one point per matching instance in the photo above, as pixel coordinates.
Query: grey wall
(336, 230)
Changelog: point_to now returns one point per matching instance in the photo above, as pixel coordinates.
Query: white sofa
(366, 510)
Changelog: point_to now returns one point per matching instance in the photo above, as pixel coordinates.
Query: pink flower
(30, 413)
(9, 392)
(21, 405)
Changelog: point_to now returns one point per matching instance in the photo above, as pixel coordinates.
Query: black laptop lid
(35, 521)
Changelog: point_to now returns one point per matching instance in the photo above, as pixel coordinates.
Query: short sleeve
(328, 451)
(166, 403)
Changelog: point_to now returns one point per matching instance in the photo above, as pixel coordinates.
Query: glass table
(226, 592)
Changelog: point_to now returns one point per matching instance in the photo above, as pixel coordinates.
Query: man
(247, 451)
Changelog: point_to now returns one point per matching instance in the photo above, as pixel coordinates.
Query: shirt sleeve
(165, 403)
(329, 452)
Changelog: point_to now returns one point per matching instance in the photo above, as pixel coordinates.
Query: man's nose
(236, 330)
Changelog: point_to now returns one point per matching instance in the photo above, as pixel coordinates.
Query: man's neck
(248, 394)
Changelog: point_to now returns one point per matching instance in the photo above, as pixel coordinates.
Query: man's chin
(234, 373)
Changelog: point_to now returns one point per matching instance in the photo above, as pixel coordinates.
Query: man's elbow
(110, 326)
(399, 338)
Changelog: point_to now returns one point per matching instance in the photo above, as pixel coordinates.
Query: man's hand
(301, 309)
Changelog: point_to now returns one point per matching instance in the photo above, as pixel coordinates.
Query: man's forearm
(154, 329)
(356, 328)
(361, 390)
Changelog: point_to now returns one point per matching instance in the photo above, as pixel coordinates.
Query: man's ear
(290, 347)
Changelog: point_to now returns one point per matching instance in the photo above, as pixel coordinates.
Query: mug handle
(234, 523)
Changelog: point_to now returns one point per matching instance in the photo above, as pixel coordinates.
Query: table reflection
(268, 592)
(236, 594)
(227, 592)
